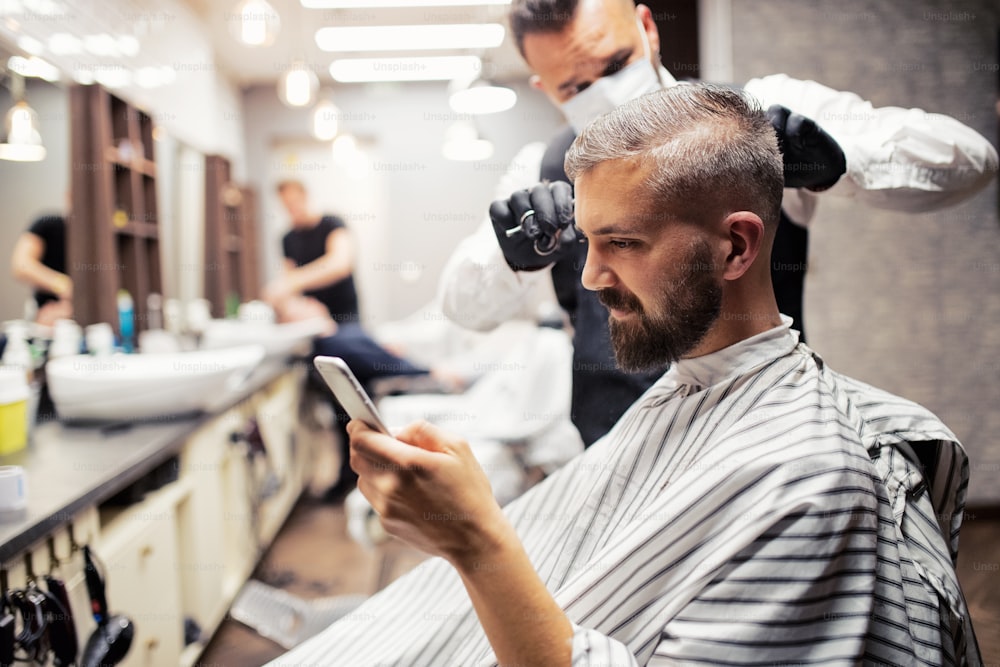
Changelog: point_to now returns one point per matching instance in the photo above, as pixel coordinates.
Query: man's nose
(596, 274)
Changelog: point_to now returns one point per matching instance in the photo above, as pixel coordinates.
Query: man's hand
(813, 159)
(278, 291)
(54, 310)
(534, 227)
(429, 491)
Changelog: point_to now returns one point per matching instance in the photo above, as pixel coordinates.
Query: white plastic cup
(100, 339)
(13, 489)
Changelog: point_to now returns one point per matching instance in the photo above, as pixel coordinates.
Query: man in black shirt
(319, 264)
(39, 259)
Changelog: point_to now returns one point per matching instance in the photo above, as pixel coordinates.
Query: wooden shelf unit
(231, 266)
(113, 229)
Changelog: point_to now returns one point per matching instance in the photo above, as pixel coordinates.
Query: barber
(591, 56)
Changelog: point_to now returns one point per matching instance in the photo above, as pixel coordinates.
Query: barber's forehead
(598, 29)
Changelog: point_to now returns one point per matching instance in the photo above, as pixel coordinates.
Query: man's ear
(645, 15)
(745, 233)
(535, 81)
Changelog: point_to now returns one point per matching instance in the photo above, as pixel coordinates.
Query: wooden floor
(313, 557)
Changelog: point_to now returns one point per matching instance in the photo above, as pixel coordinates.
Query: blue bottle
(126, 321)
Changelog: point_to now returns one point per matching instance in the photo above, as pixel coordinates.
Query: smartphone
(349, 392)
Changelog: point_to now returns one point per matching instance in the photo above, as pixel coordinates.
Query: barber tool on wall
(110, 642)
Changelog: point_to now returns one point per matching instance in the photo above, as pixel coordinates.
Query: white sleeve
(478, 289)
(899, 159)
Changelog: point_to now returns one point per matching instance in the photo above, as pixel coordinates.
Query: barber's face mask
(610, 92)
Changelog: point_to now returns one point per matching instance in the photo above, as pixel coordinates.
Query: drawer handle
(146, 551)
(151, 644)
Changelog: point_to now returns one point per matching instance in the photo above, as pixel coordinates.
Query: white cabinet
(139, 551)
(184, 551)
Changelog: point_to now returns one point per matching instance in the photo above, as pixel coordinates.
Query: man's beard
(683, 314)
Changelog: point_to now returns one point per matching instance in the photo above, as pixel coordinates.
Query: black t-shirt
(307, 245)
(51, 229)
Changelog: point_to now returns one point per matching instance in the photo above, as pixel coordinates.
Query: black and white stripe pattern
(753, 507)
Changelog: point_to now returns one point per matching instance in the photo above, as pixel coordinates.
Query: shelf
(139, 165)
(114, 206)
(146, 230)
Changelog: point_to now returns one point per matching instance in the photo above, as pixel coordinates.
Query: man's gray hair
(708, 150)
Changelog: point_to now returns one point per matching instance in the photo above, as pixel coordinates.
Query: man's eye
(581, 87)
(621, 245)
(614, 67)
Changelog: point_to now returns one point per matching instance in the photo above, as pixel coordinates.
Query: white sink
(137, 386)
(278, 340)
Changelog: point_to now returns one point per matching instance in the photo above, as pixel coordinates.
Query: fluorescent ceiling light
(410, 37)
(368, 4)
(435, 68)
(482, 100)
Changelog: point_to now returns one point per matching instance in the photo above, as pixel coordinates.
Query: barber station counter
(177, 509)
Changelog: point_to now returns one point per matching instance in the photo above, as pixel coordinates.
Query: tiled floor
(313, 557)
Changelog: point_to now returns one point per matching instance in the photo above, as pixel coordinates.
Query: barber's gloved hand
(535, 227)
(813, 159)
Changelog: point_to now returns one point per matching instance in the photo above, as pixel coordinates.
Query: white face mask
(610, 92)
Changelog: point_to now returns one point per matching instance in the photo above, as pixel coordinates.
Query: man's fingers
(500, 214)
(520, 202)
(545, 210)
(380, 449)
(801, 130)
(562, 196)
(427, 436)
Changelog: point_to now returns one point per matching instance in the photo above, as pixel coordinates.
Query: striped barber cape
(753, 507)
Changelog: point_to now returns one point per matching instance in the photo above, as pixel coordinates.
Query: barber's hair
(706, 148)
(543, 16)
(539, 16)
(290, 183)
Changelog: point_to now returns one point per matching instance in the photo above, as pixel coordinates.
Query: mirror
(31, 189)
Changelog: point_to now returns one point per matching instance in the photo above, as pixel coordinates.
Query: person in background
(747, 510)
(39, 260)
(589, 56)
(318, 277)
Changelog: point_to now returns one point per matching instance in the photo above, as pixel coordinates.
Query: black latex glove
(813, 159)
(545, 236)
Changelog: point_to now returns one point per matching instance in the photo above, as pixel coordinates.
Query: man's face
(658, 276)
(602, 38)
(294, 200)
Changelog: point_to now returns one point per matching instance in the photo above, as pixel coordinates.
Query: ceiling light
(482, 98)
(30, 45)
(33, 66)
(369, 4)
(434, 68)
(410, 37)
(23, 142)
(254, 23)
(462, 143)
(65, 44)
(128, 45)
(297, 86)
(114, 77)
(325, 120)
(155, 77)
(101, 45)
